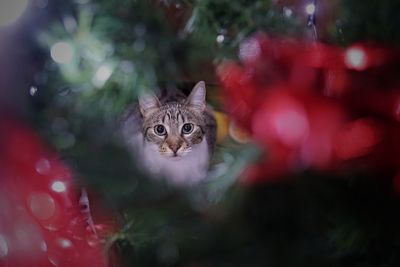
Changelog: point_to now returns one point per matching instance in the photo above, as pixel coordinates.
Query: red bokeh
(41, 223)
(311, 105)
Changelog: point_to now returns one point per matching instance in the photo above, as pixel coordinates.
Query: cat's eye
(160, 130)
(187, 128)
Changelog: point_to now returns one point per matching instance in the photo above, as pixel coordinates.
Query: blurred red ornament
(311, 105)
(41, 223)
(282, 118)
(361, 56)
(357, 139)
(326, 118)
(385, 103)
(320, 56)
(240, 96)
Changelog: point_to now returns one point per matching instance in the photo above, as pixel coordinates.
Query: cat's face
(175, 128)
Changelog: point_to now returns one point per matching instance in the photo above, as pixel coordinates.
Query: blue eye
(160, 130)
(187, 128)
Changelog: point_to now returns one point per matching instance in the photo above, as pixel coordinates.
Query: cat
(172, 136)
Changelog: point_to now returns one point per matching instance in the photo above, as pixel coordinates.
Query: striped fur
(180, 156)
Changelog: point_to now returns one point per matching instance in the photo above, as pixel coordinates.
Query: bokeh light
(283, 118)
(102, 74)
(42, 205)
(287, 12)
(310, 9)
(61, 52)
(65, 243)
(58, 187)
(33, 90)
(291, 126)
(355, 58)
(220, 38)
(11, 10)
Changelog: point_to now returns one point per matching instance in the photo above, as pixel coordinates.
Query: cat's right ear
(148, 102)
(197, 97)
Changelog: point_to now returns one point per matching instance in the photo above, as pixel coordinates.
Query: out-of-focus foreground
(307, 100)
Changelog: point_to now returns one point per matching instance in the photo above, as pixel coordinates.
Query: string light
(33, 90)
(11, 10)
(310, 9)
(311, 22)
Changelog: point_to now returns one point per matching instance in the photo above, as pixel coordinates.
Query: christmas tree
(306, 168)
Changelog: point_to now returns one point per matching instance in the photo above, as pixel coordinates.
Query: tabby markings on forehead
(174, 112)
(165, 117)
(174, 116)
(182, 117)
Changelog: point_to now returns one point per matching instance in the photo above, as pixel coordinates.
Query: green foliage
(236, 20)
(118, 50)
(313, 220)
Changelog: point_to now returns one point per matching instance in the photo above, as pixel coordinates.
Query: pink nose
(174, 147)
(174, 144)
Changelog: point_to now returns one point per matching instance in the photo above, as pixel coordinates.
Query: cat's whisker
(187, 151)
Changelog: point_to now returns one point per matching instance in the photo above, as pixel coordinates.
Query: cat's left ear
(197, 98)
(148, 102)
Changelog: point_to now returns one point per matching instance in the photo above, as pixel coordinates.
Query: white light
(310, 9)
(220, 38)
(64, 243)
(11, 10)
(58, 187)
(61, 52)
(287, 12)
(355, 58)
(33, 90)
(103, 73)
(291, 126)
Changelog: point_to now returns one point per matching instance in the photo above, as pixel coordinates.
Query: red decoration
(311, 105)
(41, 223)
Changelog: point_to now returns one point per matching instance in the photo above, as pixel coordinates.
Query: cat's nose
(175, 148)
(174, 144)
